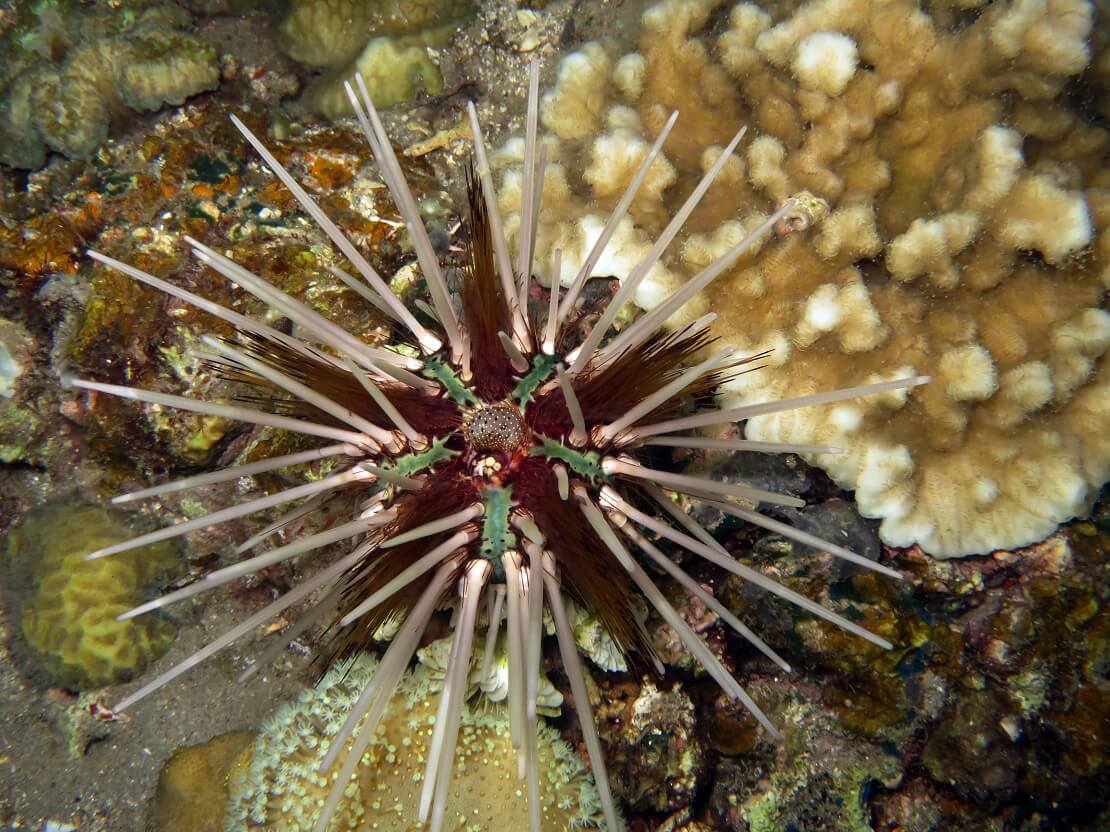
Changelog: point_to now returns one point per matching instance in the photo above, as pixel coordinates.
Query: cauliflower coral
(966, 237)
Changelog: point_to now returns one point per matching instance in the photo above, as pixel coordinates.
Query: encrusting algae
(967, 237)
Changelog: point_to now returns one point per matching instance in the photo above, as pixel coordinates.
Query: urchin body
(509, 463)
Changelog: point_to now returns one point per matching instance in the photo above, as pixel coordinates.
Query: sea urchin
(506, 464)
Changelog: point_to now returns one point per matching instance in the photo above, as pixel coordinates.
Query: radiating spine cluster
(504, 463)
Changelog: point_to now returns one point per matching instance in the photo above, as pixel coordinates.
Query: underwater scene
(541, 415)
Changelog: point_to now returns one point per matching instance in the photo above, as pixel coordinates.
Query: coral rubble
(967, 237)
(69, 620)
(68, 71)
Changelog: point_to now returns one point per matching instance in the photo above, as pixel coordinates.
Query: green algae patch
(69, 619)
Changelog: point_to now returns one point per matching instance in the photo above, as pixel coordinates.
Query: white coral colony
(968, 236)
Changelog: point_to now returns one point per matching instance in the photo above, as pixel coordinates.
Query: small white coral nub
(826, 62)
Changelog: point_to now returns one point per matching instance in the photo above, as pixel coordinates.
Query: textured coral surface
(967, 237)
(387, 42)
(280, 788)
(69, 70)
(70, 619)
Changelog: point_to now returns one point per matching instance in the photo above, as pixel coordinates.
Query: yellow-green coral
(69, 620)
(387, 42)
(282, 791)
(67, 70)
(192, 788)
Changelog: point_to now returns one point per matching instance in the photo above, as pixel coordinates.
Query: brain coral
(70, 617)
(67, 70)
(967, 237)
(281, 790)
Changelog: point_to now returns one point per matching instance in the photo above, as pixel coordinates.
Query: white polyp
(241, 510)
(646, 326)
(740, 445)
(302, 391)
(413, 571)
(614, 220)
(394, 177)
(578, 435)
(293, 596)
(442, 524)
(707, 598)
(497, 230)
(711, 550)
(339, 238)
(236, 570)
(249, 470)
(639, 272)
(377, 694)
(677, 385)
(736, 414)
(702, 654)
(551, 331)
(416, 439)
(576, 675)
(680, 482)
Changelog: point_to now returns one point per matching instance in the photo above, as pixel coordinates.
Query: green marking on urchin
(497, 537)
(542, 365)
(451, 383)
(584, 463)
(410, 464)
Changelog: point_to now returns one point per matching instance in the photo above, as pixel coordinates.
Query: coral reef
(68, 71)
(387, 42)
(70, 619)
(280, 787)
(967, 237)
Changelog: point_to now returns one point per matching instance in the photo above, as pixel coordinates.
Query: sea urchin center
(495, 427)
